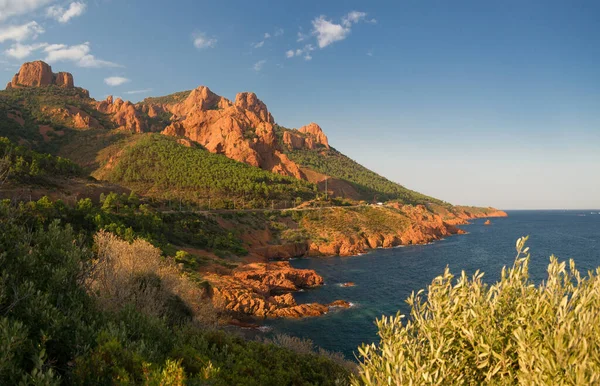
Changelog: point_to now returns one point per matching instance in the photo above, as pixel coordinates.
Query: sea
(385, 278)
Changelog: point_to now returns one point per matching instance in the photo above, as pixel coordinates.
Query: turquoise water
(385, 277)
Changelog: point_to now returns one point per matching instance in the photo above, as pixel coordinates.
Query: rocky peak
(38, 74)
(310, 136)
(249, 101)
(316, 132)
(199, 99)
(64, 79)
(123, 114)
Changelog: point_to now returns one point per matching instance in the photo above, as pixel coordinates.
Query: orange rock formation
(263, 290)
(37, 74)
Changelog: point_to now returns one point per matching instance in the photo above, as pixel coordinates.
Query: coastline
(265, 288)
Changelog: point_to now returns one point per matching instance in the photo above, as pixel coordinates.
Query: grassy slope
(160, 166)
(334, 223)
(34, 105)
(95, 148)
(167, 99)
(370, 185)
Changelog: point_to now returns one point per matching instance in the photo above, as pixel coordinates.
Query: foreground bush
(136, 274)
(73, 312)
(509, 333)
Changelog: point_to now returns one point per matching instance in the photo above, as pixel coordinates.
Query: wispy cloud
(301, 37)
(10, 8)
(202, 41)
(258, 66)
(21, 51)
(259, 44)
(20, 33)
(304, 51)
(352, 18)
(78, 54)
(116, 80)
(63, 15)
(328, 32)
(267, 35)
(144, 91)
(279, 32)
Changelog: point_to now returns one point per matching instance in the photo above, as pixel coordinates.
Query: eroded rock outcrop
(385, 227)
(123, 113)
(263, 290)
(310, 137)
(242, 130)
(249, 101)
(39, 74)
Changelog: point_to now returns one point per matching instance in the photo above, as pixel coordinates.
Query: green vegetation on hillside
(332, 224)
(78, 311)
(167, 99)
(34, 105)
(465, 332)
(22, 164)
(369, 184)
(158, 165)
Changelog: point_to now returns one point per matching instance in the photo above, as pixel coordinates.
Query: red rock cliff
(38, 74)
(243, 131)
(123, 114)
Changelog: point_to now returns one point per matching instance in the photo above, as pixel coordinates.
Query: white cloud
(79, 54)
(278, 32)
(64, 15)
(267, 35)
(328, 32)
(9, 8)
(301, 37)
(20, 33)
(144, 91)
(306, 50)
(202, 41)
(116, 80)
(259, 44)
(21, 51)
(352, 18)
(259, 65)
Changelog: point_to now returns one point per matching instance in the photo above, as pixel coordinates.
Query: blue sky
(474, 102)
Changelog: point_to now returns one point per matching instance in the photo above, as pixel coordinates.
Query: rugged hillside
(46, 111)
(193, 174)
(195, 159)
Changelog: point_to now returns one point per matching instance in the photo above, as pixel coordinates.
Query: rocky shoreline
(265, 289)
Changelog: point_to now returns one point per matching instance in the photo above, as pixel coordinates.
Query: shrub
(136, 274)
(509, 333)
